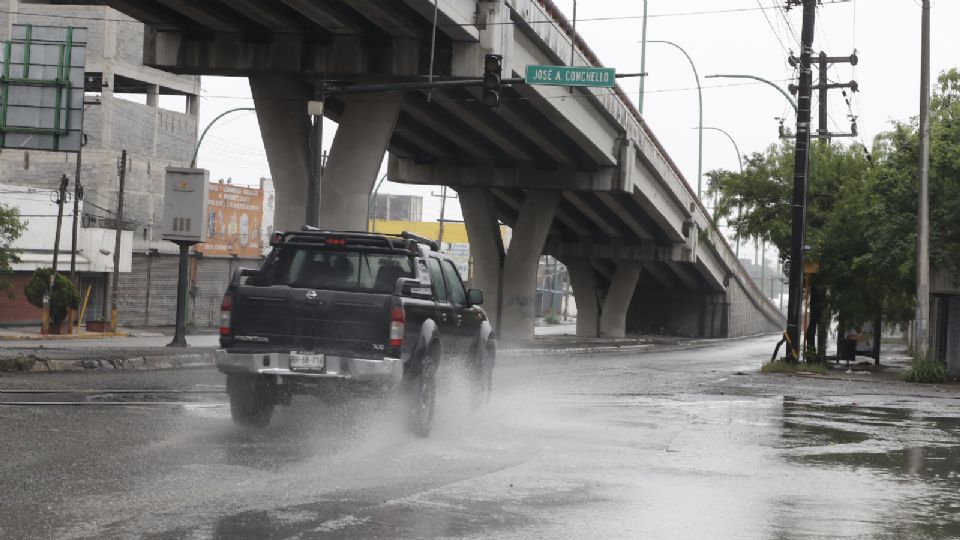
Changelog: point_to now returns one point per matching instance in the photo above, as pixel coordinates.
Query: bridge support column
(281, 103)
(486, 248)
(583, 278)
(530, 232)
(355, 158)
(613, 317)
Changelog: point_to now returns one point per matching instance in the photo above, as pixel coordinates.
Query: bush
(551, 318)
(62, 298)
(926, 371)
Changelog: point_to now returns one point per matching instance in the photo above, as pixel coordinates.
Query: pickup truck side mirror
(474, 297)
(413, 288)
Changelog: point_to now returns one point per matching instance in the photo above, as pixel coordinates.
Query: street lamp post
(740, 162)
(372, 204)
(643, 57)
(193, 162)
(700, 101)
(761, 79)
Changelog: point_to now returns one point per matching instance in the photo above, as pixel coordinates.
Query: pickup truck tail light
(397, 321)
(225, 307)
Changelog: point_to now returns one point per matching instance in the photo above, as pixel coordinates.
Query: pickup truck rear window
(305, 268)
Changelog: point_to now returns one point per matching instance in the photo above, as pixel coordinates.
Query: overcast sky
(745, 39)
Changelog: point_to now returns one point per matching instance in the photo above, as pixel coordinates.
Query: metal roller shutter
(162, 309)
(132, 292)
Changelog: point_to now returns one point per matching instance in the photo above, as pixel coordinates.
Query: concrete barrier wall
(749, 315)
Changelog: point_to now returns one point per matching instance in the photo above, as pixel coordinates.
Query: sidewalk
(32, 333)
(894, 362)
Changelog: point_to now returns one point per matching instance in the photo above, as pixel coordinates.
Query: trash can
(846, 349)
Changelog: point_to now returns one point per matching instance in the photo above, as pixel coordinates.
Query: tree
(11, 228)
(861, 214)
(758, 204)
(63, 296)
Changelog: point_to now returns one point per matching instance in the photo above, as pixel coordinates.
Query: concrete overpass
(577, 174)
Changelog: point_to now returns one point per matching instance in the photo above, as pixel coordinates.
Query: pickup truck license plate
(307, 361)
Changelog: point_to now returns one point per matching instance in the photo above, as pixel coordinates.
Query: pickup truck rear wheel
(251, 400)
(421, 397)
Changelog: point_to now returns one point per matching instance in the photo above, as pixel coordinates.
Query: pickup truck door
(468, 317)
(446, 315)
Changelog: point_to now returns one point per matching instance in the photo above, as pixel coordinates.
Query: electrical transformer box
(185, 199)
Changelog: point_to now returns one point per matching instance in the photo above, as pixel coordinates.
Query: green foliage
(11, 228)
(926, 371)
(551, 318)
(861, 215)
(782, 366)
(64, 295)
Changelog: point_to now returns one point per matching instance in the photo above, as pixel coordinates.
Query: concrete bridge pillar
(584, 283)
(281, 103)
(613, 317)
(511, 277)
(486, 248)
(530, 231)
(604, 316)
(355, 159)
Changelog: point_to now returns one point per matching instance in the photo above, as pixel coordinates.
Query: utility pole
(443, 210)
(801, 159)
(316, 161)
(116, 244)
(922, 322)
(824, 86)
(61, 197)
(77, 195)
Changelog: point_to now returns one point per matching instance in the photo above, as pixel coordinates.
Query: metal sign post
(185, 201)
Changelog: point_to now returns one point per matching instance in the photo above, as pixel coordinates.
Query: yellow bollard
(83, 308)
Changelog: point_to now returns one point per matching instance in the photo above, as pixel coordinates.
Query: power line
(774, 30)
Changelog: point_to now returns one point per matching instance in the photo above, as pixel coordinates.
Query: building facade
(149, 113)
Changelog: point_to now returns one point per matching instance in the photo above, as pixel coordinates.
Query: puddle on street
(912, 450)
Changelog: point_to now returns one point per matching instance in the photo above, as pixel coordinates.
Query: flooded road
(678, 444)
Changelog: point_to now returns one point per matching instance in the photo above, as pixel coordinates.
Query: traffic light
(492, 70)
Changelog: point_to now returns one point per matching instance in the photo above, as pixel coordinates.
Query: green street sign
(571, 76)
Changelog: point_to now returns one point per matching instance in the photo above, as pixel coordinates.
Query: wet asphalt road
(679, 444)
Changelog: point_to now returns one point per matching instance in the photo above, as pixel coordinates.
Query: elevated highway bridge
(576, 173)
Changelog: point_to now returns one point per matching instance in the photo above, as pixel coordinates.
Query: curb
(575, 350)
(33, 363)
(62, 337)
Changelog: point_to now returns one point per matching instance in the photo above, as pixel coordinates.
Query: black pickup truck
(335, 313)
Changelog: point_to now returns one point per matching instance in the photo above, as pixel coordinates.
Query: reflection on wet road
(654, 445)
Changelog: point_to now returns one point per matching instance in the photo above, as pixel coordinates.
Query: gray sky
(886, 34)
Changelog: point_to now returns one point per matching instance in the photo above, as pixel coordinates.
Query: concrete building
(94, 258)
(390, 207)
(126, 107)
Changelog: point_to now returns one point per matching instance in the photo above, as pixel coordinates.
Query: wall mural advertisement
(233, 221)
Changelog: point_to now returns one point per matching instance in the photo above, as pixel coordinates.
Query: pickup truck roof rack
(434, 245)
(387, 239)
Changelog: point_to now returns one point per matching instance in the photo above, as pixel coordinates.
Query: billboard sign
(41, 90)
(233, 221)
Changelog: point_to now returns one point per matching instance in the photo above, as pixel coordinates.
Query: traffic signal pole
(800, 168)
